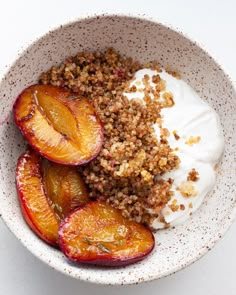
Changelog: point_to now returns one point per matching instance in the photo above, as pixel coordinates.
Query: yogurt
(196, 134)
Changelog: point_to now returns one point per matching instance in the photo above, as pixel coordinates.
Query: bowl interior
(143, 40)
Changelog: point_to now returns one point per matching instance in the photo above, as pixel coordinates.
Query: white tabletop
(213, 24)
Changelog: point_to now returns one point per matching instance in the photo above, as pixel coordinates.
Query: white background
(213, 24)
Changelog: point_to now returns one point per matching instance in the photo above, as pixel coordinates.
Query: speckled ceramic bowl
(144, 40)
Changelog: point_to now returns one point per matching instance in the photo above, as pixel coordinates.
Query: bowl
(144, 40)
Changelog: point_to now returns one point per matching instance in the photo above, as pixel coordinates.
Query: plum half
(96, 233)
(58, 124)
(64, 188)
(47, 193)
(33, 201)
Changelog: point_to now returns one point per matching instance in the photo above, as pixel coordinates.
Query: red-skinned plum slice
(96, 233)
(58, 124)
(33, 201)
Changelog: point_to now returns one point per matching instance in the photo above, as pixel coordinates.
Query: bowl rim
(144, 17)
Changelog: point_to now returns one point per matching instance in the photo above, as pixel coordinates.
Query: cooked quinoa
(127, 172)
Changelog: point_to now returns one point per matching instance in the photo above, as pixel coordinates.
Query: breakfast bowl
(143, 40)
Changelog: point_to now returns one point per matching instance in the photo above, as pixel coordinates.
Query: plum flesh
(96, 233)
(58, 124)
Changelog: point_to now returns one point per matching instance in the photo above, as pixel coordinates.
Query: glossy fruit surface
(33, 201)
(58, 124)
(64, 187)
(98, 234)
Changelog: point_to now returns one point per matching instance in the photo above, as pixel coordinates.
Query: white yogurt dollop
(200, 144)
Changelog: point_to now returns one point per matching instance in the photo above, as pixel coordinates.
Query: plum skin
(106, 259)
(38, 149)
(23, 203)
